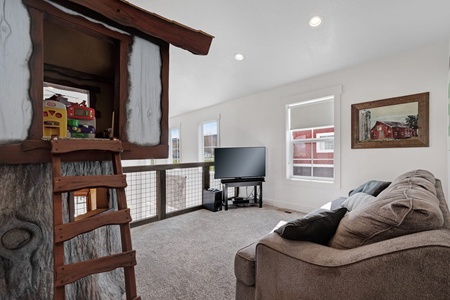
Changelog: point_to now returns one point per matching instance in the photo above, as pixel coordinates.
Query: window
(174, 145)
(74, 95)
(310, 140)
(210, 140)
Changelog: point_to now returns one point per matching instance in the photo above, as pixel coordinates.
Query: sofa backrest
(413, 202)
(442, 203)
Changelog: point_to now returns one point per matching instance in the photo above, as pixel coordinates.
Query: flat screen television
(239, 162)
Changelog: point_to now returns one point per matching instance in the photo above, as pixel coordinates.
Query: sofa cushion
(317, 227)
(408, 205)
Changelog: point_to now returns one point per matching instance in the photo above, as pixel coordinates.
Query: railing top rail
(167, 167)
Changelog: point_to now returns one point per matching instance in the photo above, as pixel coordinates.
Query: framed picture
(394, 122)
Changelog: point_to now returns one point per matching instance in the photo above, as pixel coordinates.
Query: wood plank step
(72, 183)
(68, 231)
(62, 146)
(72, 272)
(90, 214)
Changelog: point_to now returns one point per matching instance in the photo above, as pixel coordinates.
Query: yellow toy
(55, 119)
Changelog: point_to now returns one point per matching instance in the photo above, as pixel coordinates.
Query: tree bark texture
(26, 236)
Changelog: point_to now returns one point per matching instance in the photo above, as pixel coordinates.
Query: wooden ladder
(68, 273)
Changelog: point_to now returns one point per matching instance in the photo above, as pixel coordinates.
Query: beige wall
(259, 119)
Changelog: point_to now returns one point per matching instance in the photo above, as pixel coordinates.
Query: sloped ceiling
(281, 48)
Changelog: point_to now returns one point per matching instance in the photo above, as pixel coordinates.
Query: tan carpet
(192, 256)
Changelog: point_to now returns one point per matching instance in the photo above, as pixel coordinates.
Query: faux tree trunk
(26, 236)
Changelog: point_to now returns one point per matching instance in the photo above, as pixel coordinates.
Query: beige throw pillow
(408, 205)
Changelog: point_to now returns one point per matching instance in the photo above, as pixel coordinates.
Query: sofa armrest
(244, 264)
(405, 267)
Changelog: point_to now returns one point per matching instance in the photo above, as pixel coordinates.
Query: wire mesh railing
(141, 194)
(159, 191)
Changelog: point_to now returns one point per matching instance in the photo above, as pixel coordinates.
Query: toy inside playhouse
(66, 113)
(81, 74)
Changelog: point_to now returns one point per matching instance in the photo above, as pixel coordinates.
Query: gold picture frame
(389, 123)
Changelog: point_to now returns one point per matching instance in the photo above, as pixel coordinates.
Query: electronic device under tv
(239, 162)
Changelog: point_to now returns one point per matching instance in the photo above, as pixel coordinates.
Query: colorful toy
(81, 121)
(55, 119)
(80, 112)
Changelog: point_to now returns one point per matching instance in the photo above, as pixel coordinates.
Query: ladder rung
(66, 146)
(90, 214)
(73, 183)
(70, 273)
(70, 230)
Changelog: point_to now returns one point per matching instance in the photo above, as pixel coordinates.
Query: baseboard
(287, 205)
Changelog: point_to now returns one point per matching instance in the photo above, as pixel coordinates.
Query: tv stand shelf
(238, 182)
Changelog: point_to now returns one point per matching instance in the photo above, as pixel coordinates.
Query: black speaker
(212, 200)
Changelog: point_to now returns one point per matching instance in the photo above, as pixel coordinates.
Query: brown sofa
(409, 266)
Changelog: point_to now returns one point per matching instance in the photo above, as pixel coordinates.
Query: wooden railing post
(205, 177)
(161, 194)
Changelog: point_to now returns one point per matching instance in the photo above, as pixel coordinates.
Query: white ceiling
(280, 47)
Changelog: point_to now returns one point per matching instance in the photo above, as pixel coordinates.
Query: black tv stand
(237, 182)
(240, 201)
(242, 179)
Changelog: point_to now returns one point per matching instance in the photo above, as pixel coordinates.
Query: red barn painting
(391, 130)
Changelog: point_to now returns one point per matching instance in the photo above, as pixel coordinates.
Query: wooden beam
(131, 16)
(37, 73)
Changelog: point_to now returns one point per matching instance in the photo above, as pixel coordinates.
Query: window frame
(202, 140)
(171, 149)
(307, 98)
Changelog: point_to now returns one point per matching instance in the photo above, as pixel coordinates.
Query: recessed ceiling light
(315, 21)
(239, 56)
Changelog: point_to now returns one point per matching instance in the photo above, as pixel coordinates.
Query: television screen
(239, 162)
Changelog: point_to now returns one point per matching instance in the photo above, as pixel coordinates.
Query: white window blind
(317, 113)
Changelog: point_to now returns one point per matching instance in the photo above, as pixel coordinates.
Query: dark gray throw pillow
(371, 187)
(317, 227)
